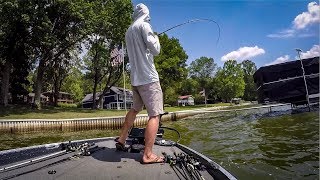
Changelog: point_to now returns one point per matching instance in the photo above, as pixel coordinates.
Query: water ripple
(257, 144)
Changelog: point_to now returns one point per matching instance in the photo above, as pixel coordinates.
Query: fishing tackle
(192, 21)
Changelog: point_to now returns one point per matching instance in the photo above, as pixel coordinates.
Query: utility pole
(304, 77)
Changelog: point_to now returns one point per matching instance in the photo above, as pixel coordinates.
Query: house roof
(120, 90)
(32, 95)
(117, 90)
(60, 92)
(89, 97)
(185, 97)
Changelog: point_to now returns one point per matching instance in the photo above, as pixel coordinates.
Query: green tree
(249, 68)
(189, 86)
(15, 51)
(230, 80)
(124, 80)
(170, 63)
(203, 71)
(111, 24)
(57, 27)
(73, 84)
(61, 68)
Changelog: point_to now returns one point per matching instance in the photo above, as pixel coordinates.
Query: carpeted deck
(105, 163)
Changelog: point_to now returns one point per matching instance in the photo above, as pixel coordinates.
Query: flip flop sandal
(154, 161)
(121, 147)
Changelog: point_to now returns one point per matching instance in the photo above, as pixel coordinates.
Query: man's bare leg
(149, 137)
(130, 117)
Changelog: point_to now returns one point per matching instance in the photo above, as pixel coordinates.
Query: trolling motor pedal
(137, 135)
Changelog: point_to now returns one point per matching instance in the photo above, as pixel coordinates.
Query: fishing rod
(229, 110)
(188, 166)
(193, 21)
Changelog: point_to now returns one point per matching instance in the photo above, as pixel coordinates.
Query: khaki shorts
(149, 95)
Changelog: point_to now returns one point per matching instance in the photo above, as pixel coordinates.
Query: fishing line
(229, 110)
(192, 21)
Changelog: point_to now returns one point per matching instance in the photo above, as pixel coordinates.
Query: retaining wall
(38, 125)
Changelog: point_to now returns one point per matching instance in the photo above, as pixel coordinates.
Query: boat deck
(104, 163)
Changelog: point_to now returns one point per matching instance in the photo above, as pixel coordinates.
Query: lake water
(254, 144)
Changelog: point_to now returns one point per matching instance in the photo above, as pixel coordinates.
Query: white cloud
(306, 18)
(300, 23)
(313, 52)
(279, 60)
(243, 53)
(283, 34)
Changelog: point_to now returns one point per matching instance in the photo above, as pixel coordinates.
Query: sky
(263, 31)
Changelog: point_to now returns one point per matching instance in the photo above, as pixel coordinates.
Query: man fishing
(142, 44)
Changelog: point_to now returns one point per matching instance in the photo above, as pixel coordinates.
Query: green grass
(25, 112)
(18, 140)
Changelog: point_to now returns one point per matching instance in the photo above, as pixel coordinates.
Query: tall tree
(249, 68)
(58, 26)
(189, 86)
(170, 63)
(74, 83)
(230, 80)
(111, 24)
(14, 47)
(203, 70)
(61, 68)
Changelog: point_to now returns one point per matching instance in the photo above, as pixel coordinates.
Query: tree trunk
(101, 99)
(96, 80)
(5, 84)
(56, 93)
(38, 85)
(107, 86)
(94, 95)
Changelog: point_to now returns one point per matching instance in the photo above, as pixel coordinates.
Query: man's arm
(151, 40)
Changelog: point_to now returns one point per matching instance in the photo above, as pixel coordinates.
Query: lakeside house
(30, 98)
(235, 100)
(63, 97)
(115, 98)
(186, 100)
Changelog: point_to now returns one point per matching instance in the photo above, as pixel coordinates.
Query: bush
(66, 105)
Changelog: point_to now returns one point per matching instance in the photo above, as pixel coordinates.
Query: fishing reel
(83, 149)
(183, 159)
(189, 166)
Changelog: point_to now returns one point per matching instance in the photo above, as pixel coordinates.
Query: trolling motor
(137, 134)
(136, 137)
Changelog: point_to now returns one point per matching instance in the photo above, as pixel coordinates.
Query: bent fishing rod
(193, 21)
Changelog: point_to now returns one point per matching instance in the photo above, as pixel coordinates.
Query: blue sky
(265, 32)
